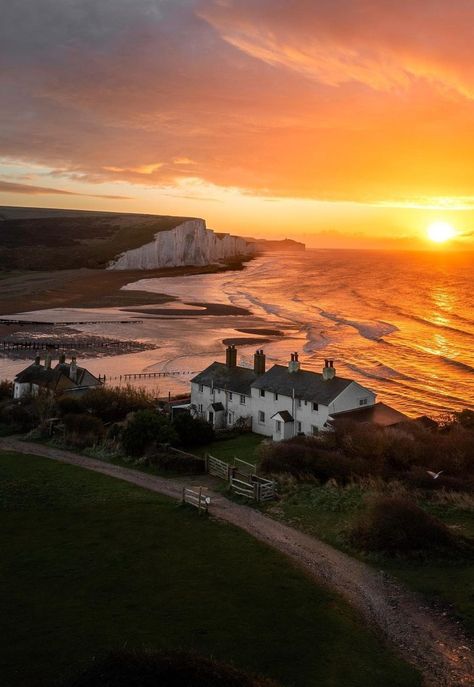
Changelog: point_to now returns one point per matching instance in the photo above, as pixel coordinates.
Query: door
(211, 418)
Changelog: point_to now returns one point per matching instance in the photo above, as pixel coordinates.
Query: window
(201, 388)
(262, 392)
(200, 407)
(276, 397)
(230, 395)
(242, 399)
(261, 417)
(298, 402)
(230, 418)
(315, 407)
(219, 391)
(298, 426)
(362, 401)
(314, 429)
(278, 426)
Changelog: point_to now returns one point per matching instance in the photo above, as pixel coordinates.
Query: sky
(344, 123)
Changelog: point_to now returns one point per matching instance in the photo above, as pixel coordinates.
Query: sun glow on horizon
(440, 232)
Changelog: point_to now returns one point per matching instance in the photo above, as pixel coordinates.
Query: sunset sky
(338, 122)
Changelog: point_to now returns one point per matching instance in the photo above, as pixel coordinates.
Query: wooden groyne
(147, 375)
(66, 324)
(65, 345)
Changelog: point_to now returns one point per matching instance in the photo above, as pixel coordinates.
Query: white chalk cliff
(190, 243)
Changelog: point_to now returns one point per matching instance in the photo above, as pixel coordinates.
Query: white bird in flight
(434, 475)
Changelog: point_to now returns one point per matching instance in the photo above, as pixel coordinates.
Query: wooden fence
(197, 497)
(218, 468)
(242, 478)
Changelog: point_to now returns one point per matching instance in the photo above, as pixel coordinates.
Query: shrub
(305, 457)
(145, 430)
(82, 430)
(193, 431)
(6, 389)
(164, 669)
(17, 417)
(69, 405)
(115, 403)
(169, 461)
(397, 526)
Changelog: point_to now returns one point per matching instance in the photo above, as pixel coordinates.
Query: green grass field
(328, 512)
(90, 563)
(243, 446)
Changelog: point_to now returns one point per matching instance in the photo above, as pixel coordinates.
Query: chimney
(259, 362)
(231, 356)
(329, 371)
(47, 361)
(73, 369)
(38, 360)
(293, 365)
(62, 358)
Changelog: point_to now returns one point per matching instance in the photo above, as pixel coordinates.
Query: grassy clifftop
(48, 239)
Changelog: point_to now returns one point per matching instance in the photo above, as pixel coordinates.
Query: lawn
(327, 512)
(90, 563)
(244, 446)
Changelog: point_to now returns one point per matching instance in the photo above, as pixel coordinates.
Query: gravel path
(427, 639)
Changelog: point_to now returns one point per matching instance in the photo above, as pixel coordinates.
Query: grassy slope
(91, 563)
(243, 446)
(327, 512)
(62, 241)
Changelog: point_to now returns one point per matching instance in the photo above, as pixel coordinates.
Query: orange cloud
(334, 100)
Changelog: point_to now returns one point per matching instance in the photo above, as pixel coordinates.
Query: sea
(400, 323)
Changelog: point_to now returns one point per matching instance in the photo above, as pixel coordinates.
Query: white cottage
(279, 403)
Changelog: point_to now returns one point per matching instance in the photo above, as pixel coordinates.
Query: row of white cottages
(282, 402)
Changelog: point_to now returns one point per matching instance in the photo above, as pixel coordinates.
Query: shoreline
(87, 288)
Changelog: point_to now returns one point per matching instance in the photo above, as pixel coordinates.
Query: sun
(439, 232)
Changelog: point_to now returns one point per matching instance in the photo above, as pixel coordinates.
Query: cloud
(326, 99)
(10, 187)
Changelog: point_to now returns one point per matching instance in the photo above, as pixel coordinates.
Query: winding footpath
(430, 641)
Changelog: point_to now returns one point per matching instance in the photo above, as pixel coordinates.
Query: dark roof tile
(237, 379)
(307, 385)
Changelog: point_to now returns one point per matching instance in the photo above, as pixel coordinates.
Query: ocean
(399, 323)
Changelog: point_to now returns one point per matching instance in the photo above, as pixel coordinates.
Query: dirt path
(431, 642)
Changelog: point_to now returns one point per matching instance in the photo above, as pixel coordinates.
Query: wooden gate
(197, 497)
(218, 468)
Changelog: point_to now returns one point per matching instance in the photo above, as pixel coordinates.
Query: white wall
(26, 389)
(305, 416)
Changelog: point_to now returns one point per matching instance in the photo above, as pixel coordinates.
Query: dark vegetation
(91, 564)
(164, 669)
(397, 526)
(68, 242)
(357, 451)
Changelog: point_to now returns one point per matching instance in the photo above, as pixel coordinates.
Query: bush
(6, 389)
(397, 526)
(82, 430)
(18, 417)
(115, 403)
(306, 456)
(69, 405)
(169, 461)
(193, 431)
(164, 669)
(145, 430)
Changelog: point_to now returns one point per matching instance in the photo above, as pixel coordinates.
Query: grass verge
(91, 564)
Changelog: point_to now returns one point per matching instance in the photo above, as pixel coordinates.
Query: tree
(193, 431)
(145, 429)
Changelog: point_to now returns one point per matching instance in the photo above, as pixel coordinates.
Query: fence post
(183, 500)
(199, 501)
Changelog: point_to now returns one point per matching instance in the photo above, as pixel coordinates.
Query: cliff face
(190, 243)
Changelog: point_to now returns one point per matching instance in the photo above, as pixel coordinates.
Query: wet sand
(86, 288)
(218, 309)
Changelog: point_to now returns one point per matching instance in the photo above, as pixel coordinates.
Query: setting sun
(439, 232)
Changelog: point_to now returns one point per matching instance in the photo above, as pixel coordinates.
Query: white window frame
(262, 393)
(278, 426)
(314, 429)
(299, 427)
(315, 407)
(201, 388)
(261, 417)
(242, 399)
(364, 401)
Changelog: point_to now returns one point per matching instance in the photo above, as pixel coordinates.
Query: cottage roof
(217, 407)
(377, 414)
(307, 385)
(237, 379)
(50, 377)
(284, 416)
